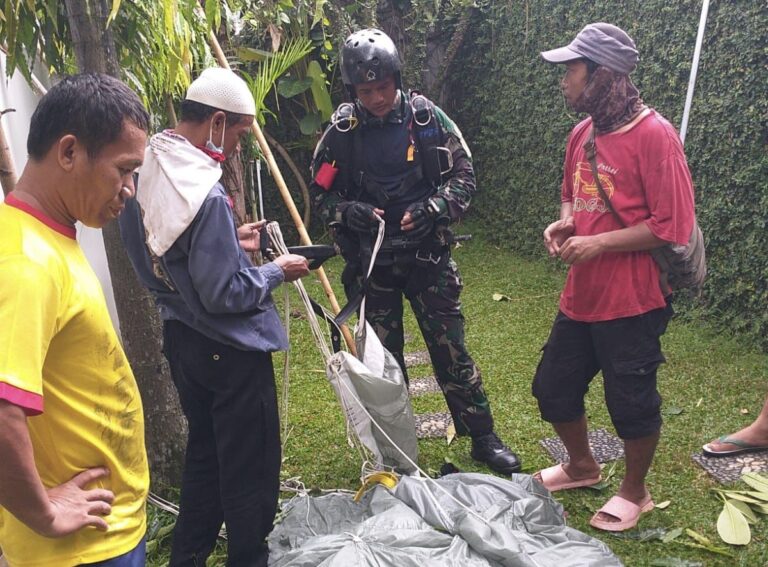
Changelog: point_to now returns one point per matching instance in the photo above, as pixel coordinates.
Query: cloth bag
(375, 379)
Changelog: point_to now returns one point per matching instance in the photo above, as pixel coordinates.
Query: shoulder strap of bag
(591, 150)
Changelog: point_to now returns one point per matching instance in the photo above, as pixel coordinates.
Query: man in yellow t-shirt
(73, 467)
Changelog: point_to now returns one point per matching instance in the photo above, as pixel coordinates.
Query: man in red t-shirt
(612, 310)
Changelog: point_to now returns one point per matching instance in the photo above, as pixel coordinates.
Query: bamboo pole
(286, 195)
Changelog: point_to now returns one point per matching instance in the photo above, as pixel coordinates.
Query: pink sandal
(628, 514)
(555, 478)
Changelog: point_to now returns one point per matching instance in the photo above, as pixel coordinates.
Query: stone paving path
(421, 386)
(416, 358)
(605, 446)
(431, 425)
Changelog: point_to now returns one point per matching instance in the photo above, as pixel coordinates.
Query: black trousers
(232, 465)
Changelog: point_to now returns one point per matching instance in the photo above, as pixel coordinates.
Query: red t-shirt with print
(645, 175)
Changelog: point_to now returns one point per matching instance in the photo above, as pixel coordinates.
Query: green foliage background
(508, 104)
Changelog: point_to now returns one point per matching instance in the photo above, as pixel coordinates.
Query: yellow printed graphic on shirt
(586, 197)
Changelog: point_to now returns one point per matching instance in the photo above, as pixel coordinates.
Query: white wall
(15, 93)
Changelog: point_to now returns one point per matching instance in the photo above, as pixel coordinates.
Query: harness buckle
(422, 115)
(344, 118)
(449, 159)
(430, 258)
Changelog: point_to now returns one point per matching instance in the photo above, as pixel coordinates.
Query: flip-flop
(743, 447)
(627, 512)
(555, 478)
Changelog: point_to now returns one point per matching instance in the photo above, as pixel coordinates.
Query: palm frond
(272, 68)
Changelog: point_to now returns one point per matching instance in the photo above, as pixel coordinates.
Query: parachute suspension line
(273, 229)
(284, 398)
(276, 235)
(262, 215)
(172, 508)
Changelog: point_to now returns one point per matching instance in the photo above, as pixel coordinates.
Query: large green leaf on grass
(763, 496)
(672, 535)
(760, 508)
(450, 433)
(745, 510)
(741, 496)
(732, 526)
(648, 534)
(696, 536)
(756, 481)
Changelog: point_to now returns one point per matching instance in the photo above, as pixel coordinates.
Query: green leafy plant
(741, 508)
(158, 43)
(270, 69)
(305, 82)
(674, 536)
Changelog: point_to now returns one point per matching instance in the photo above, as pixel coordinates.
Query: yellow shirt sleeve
(29, 306)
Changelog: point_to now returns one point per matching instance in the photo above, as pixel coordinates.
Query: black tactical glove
(423, 217)
(359, 217)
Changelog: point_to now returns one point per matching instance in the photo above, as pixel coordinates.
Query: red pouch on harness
(325, 175)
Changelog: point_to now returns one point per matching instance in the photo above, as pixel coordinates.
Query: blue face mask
(213, 147)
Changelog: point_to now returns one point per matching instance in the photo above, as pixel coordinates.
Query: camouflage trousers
(438, 311)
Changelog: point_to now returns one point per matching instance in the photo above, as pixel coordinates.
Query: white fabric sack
(378, 382)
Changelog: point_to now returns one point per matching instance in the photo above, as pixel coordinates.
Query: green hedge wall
(507, 102)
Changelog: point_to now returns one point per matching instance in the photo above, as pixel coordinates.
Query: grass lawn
(710, 377)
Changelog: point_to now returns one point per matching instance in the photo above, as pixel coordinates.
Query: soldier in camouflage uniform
(398, 156)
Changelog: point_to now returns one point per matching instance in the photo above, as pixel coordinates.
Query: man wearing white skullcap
(220, 325)
(223, 89)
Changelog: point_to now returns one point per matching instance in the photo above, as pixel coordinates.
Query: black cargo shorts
(626, 350)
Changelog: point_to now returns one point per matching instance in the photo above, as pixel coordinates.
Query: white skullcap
(222, 89)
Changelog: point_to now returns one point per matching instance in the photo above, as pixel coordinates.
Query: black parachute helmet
(369, 55)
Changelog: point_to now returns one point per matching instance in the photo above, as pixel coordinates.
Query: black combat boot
(490, 450)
